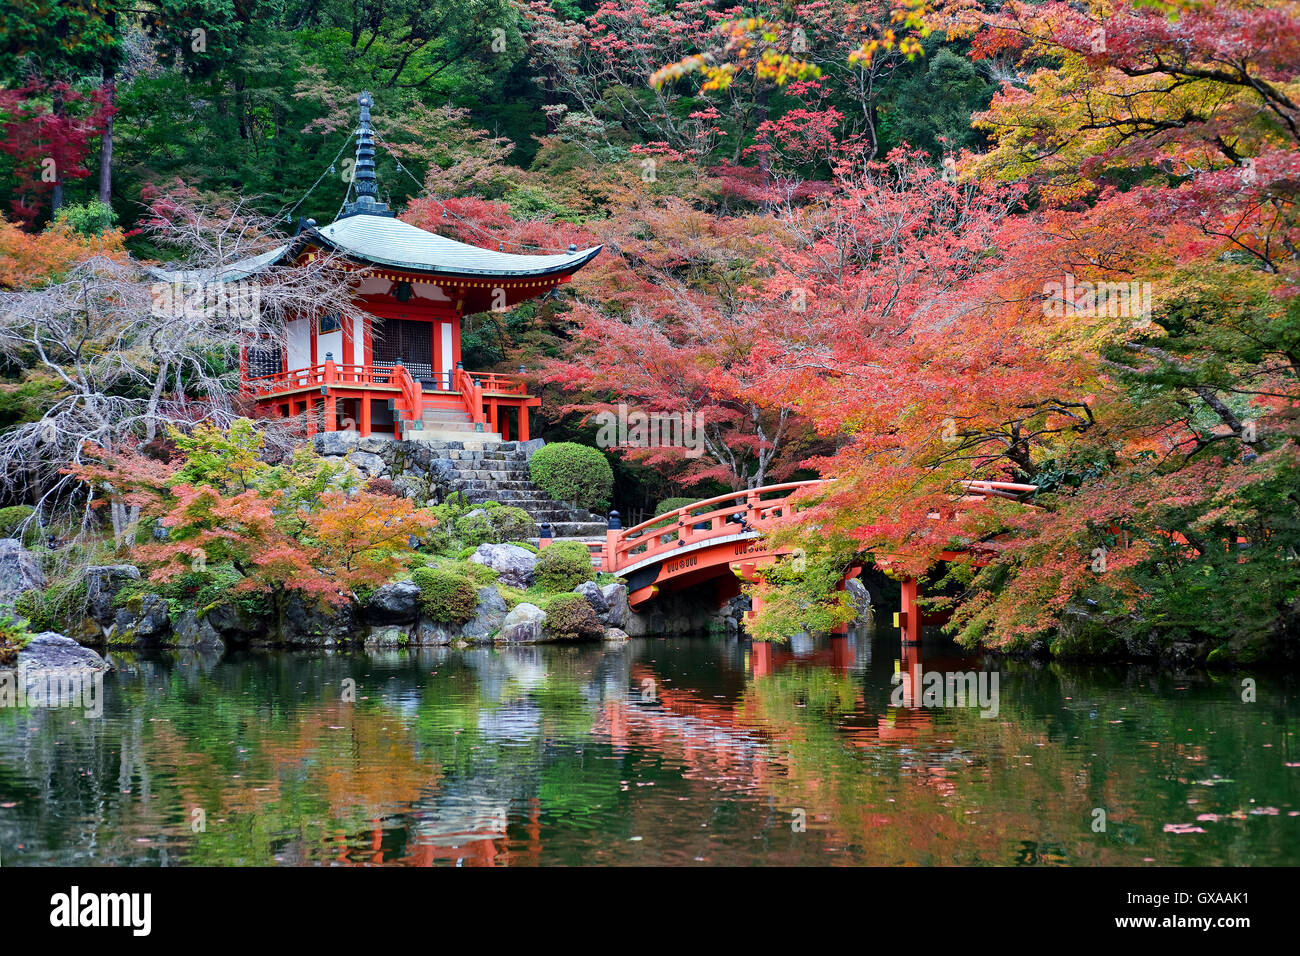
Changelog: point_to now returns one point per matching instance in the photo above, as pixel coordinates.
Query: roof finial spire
(365, 187)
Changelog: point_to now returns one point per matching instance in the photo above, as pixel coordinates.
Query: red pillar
(760, 656)
(365, 415)
(909, 618)
(523, 424)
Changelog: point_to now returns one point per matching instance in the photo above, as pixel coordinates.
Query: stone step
(587, 530)
(479, 441)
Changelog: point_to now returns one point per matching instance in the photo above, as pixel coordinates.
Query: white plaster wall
(359, 341)
(330, 342)
(299, 355)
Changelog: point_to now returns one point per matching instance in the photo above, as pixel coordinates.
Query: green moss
(11, 519)
(54, 609)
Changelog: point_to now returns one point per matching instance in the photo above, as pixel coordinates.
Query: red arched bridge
(723, 540)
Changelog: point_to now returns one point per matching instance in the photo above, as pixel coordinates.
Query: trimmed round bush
(672, 504)
(563, 566)
(568, 471)
(445, 597)
(569, 617)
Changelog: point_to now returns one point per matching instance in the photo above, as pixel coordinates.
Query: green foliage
(225, 460)
(672, 504)
(445, 596)
(569, 617)
(563, 566)
(463, 526)
(13, 638)
(570, 472)
(804, 597)
(89, 218)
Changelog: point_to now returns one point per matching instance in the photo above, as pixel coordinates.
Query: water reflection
(681, 751)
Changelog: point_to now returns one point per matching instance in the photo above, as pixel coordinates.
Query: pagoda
(396, 368)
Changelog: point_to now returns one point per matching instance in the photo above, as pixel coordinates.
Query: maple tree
(302, 526)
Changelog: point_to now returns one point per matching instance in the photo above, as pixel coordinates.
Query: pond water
(689, 751)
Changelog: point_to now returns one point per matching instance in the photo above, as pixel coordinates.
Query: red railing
(326, 373)
(497, 384)
(412, 400)
(736, 513)
(471, 394)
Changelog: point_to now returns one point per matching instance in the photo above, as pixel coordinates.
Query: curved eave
(366, 239)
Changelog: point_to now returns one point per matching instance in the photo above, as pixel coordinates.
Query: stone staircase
(491, 470)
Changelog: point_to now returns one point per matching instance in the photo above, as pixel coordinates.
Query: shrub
(509, 522)
(90, 218)
(569, 618)
(571, 472)
(445, 596)
(525, 545)
(672, 504)
(383, 486)
(474, 529)
(563, 566)
(13, 637)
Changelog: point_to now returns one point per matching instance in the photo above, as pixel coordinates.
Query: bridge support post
(909, 618)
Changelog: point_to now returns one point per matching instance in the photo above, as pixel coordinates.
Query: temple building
(397, 369)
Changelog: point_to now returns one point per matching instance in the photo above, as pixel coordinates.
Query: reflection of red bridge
(722, 539)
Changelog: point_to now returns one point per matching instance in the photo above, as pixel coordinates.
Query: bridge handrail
(670, 516)
(681, 523)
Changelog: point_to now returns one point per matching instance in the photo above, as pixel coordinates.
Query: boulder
(514, 565)
(335, 443)
(860, 597)
(488, 617)
(368, 464)
(190, 632)
(102, 584)
(145, 619)
(306, 622)
(20, 570)
(387, 636)
(615, 598)
(523, 625)
(591, 591)
(396, 603)
(615, 635)
(51, 651)
(374, 445)
(434, 633)
(235, 623)
(530, 448)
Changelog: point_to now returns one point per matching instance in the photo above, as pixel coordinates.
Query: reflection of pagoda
(398, 366)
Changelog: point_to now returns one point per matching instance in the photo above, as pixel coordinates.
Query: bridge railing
(736, 513)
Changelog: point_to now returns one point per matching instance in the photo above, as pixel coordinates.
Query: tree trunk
(58, 108)
(106, 145)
